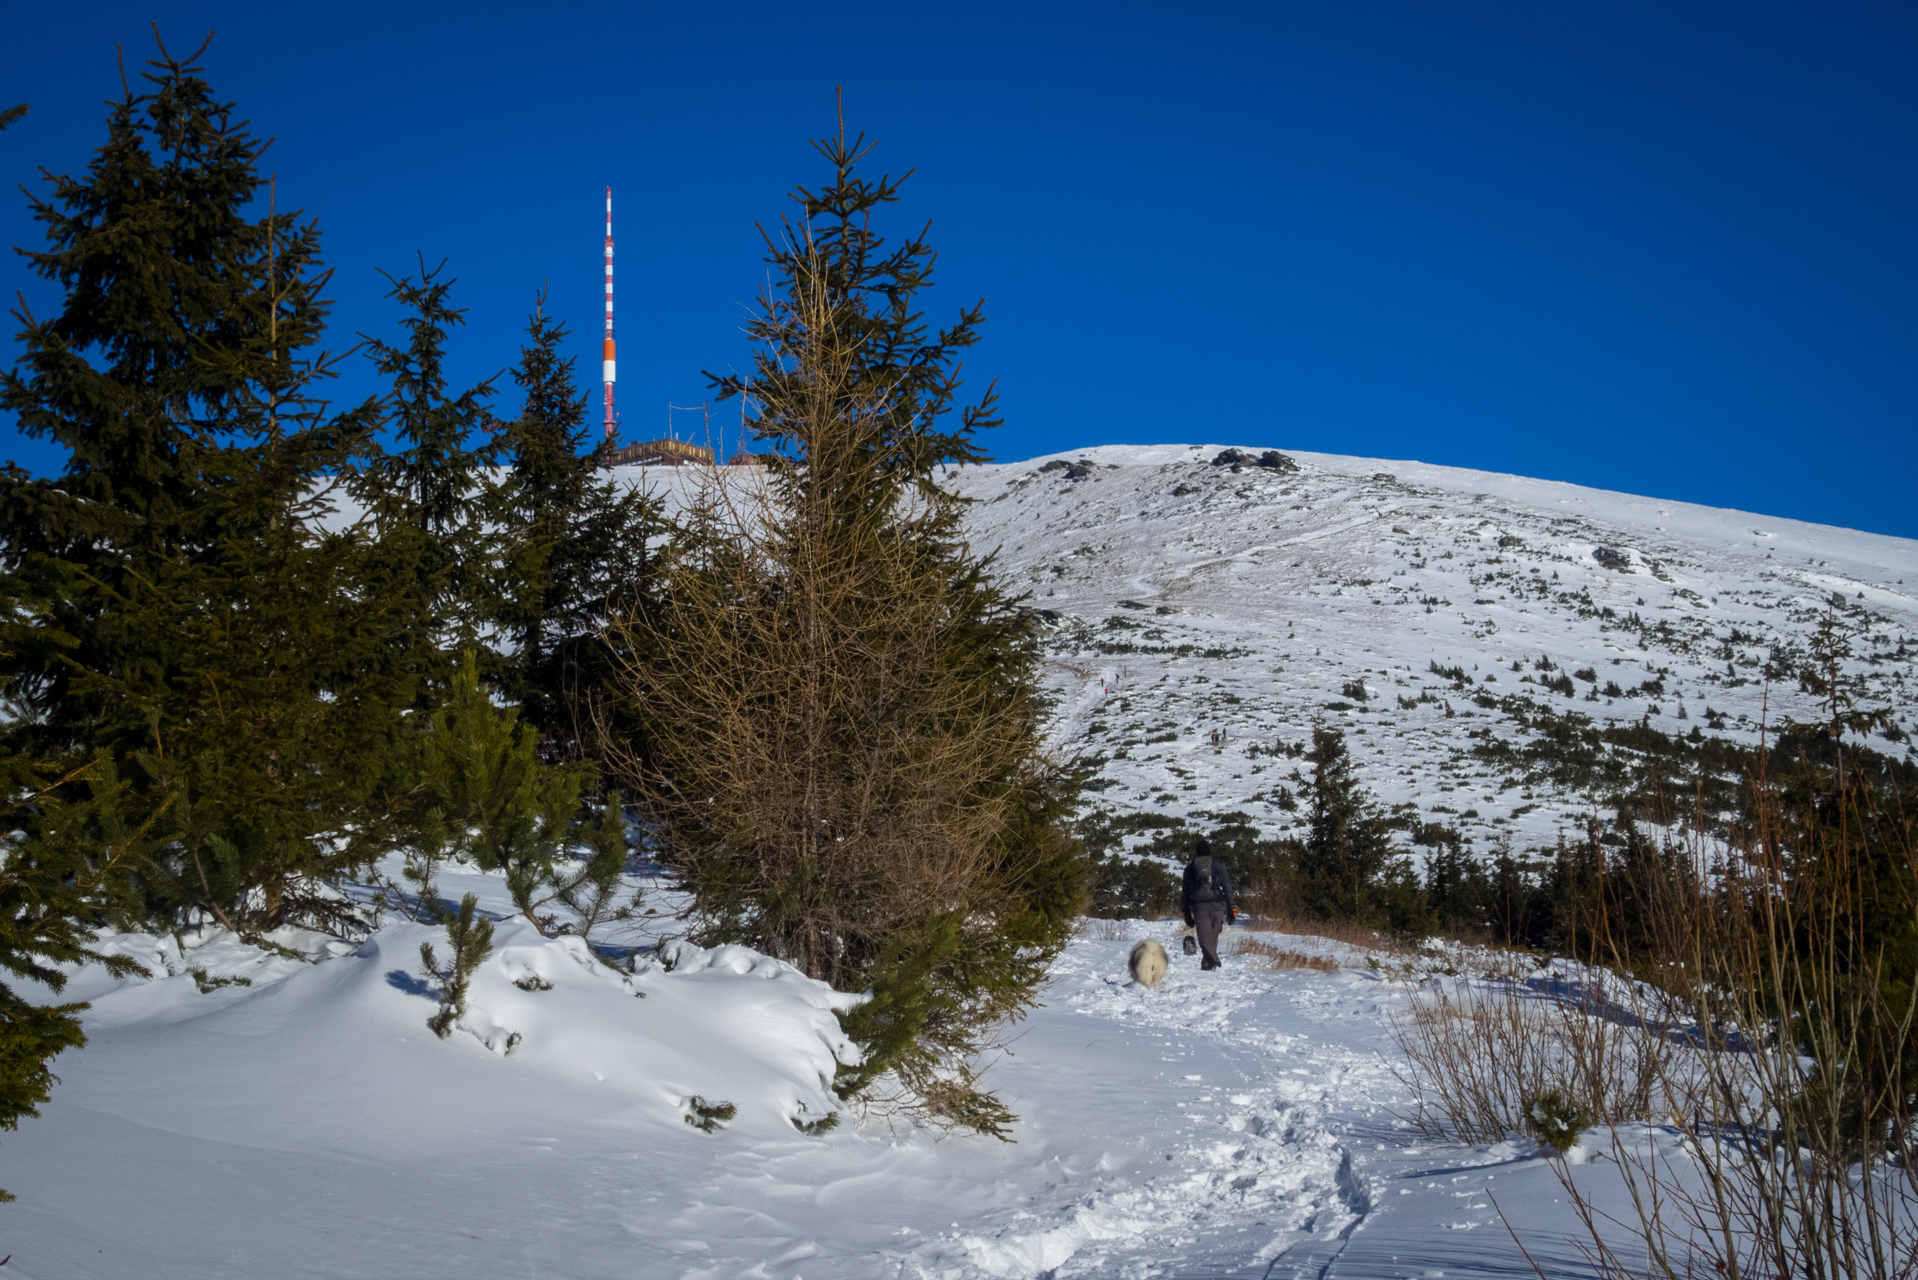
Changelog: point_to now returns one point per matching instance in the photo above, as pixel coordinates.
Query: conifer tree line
(259, 644)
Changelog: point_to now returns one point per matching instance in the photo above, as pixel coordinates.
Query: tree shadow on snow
(401, 980)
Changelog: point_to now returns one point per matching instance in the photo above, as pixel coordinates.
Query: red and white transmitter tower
(606, 358)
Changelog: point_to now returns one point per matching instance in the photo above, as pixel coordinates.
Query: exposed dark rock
(1612, 558)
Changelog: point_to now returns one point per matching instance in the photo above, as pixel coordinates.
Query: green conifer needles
(579, 540)
(218, 701)
(57, 871)
(174, 601)
(471, 937)
(489, 795)
(905, 374)
(1348, 867)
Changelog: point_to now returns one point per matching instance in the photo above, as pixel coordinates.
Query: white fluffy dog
(1147, 963)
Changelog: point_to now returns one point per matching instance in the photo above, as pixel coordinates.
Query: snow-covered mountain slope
(1192, 598)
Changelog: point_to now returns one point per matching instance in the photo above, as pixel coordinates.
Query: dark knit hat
(1203, 849)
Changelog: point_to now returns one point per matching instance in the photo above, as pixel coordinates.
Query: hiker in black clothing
(1206, 900)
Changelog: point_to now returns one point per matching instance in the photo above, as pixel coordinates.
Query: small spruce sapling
(421, 871)
(593, 890)
(506, 807)
(208, 985)
(1554, 1120)
(471, 935)
(816, 1126)
(708, 1117)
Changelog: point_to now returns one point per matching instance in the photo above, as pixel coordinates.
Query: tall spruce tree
(1348, 867)
(838, 719)
(427, 499)
(178, 606)
(186, 725)
(574, 542)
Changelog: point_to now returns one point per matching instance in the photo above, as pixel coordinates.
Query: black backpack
(1206, 876)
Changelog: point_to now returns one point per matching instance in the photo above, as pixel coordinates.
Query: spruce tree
(1456, 887)
(427, 500)
(177, 604)
(837, 724)
(147, 247)
(1348, 867)
(574, 542)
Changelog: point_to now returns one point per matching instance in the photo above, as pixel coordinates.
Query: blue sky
(1659, 247)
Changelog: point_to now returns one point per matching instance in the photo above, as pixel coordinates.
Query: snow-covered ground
(1243, 1123)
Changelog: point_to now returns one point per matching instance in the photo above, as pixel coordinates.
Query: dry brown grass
(1348, 932)
(1276, 958)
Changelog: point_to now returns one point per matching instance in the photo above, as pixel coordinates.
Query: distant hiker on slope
(1206, 900)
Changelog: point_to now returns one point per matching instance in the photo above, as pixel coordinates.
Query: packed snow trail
(1232, 1124)
(1265, 1137)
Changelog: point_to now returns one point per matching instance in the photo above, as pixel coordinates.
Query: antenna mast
(606, 358)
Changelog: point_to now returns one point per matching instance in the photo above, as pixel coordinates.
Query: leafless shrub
(1796, 1153)
(1478, 1053)
(1348, 932)
(1750, 1052)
